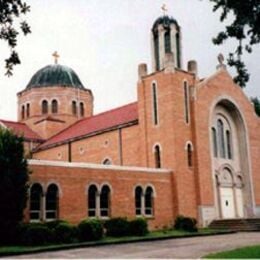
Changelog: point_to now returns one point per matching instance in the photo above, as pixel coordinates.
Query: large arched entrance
(230, 162)
(230, 194)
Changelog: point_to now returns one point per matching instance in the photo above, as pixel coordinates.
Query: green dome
(55, 75)
(164, 20)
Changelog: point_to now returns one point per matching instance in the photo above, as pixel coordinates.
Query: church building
(187, 146)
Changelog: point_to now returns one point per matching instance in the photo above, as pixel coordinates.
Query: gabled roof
(21, 129)
(118, 117)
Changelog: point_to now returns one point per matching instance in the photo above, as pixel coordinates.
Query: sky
(103, 41)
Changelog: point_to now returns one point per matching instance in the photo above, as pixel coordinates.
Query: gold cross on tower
(164, 9)
(56, 57)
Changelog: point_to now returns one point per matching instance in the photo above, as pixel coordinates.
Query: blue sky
(105, 40)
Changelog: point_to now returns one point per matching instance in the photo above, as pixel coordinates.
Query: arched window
(221, 140)
(107, 162)
(92, 200)
(23, 112)
(138, 200)
(186, 102)
(155, 104)
(28, 110)
(36, 202)
(215, 142)
(105, 201)
(148, 201)
(52, 202)
(82, 110)
(156, 51)
(74, 108)
(189, 155)
(167, 42)
(44, 107)
(229, 149)
(178, 50)
(157, 156)
(54, 106)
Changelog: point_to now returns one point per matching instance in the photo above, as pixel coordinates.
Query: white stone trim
(97, 166)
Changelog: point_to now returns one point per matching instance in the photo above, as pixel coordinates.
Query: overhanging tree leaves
(245, 28)
(10, 11)
(13, 183)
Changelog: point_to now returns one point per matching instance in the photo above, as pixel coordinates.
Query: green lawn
(244, 252)
(163, 234)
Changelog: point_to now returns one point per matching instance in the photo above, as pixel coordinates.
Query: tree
(13, 184)
(10, 11)
(256, 103)
(245, 28)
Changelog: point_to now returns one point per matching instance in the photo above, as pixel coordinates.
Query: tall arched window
(52, 202)
(221, 139)
(138, 200)
(229, 149)
(178, 50)
(44, 107)
(105, 201)
(23, 112)
(186, 102)
(36, 202)
(82, 110)
(157, 156)
(167, 42)
(157, 51)
(92, 201)
(54, 106)
(149, 201)
(74, 108)
(155, 104)
(28, 110)
(215, 142)
(189, 155)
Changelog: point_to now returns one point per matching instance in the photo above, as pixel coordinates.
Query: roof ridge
(88, 118)
(9, 121)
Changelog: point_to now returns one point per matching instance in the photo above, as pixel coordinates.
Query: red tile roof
(92, 125)
(21, 129)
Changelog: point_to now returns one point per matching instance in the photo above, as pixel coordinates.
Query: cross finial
(164, 9)
(56, 57)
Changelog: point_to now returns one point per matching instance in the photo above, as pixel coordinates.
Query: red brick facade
(172, 126)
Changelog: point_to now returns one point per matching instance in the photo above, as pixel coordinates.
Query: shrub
(117, 227)
(53, 224)
(138, 227)
(186, 223)
(36, 234)
(90, 229)
(65, 233)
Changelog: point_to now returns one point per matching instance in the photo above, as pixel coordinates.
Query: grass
(242, 253)
(155, 235)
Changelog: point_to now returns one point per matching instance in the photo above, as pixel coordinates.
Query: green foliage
(244, 27)
(53, 224)
(37, 234)
(117, 227)
(138, 227)
(13, 184)
(256, 102)
(9, 12)
(185, 223)
(90, 229)
(65, 233)
(249, 252)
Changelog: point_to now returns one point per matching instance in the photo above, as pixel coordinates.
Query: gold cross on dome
(164, 9)
(56, 57)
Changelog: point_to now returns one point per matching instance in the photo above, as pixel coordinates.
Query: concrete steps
(237, 224)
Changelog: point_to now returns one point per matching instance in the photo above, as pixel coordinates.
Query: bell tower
(166, 38)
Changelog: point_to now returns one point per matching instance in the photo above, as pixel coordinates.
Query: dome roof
(55, 75)
(165, 20)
